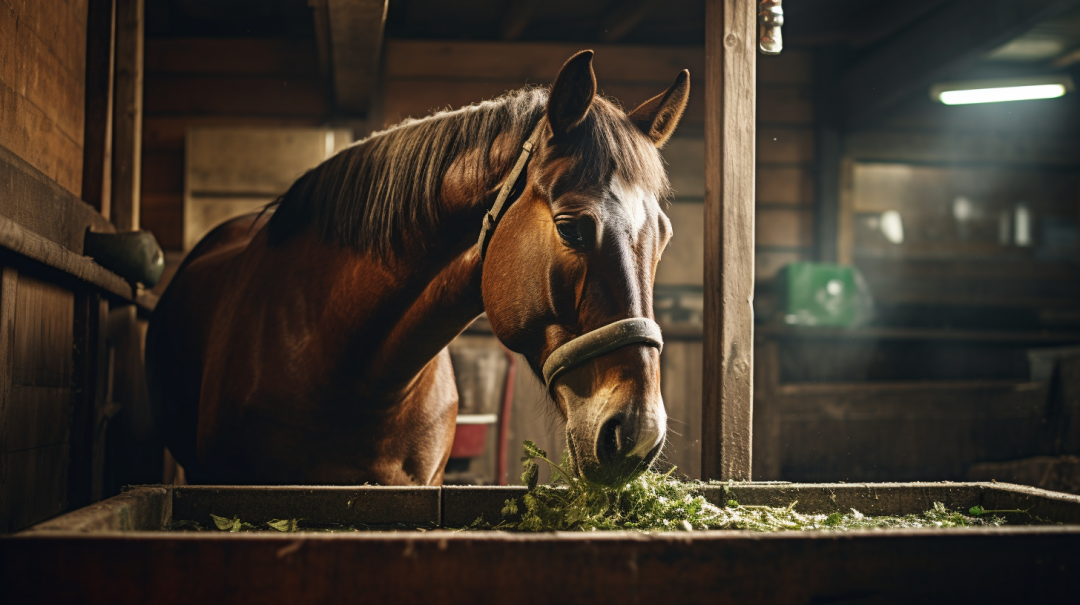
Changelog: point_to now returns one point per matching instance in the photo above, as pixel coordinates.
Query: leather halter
(510, 186)
(600, 342)
(588, 346)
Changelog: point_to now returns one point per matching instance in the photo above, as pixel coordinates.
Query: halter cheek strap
(502, 203)
(599, 342)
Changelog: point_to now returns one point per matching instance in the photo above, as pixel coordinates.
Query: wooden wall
(42, 81)
(216, 82)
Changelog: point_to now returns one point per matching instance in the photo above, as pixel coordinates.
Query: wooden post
(97, 138)
(728, 352)
(828, 143)
(127, 115)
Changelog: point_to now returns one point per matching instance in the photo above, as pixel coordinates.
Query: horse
(307, 345)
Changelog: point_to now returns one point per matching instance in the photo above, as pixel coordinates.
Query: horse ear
(572, 94)
(659, 116)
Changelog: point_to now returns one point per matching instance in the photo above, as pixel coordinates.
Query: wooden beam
(127, 115)
(356, 37)
(97, 138)
(517, 18)
(958, 33)
(728, 336)
(625, 19)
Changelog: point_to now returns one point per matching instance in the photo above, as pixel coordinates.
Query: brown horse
(310, 347)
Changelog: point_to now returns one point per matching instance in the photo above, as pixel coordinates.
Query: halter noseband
(588, 346)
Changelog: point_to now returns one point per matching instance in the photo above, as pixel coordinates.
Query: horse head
(576, 253)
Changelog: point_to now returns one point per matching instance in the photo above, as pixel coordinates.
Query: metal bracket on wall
(770, 20)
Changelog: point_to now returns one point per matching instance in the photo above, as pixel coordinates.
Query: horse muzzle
(615, 414)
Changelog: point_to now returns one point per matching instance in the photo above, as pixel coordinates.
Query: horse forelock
(376, 192)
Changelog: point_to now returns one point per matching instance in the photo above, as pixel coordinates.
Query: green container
(822, 294)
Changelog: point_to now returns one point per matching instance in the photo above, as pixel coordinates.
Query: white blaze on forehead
(633, 203)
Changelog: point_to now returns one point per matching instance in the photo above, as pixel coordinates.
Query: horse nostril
(612, 443)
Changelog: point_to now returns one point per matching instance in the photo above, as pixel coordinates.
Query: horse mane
(372, 193)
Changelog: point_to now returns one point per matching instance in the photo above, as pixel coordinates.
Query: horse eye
(568, 230)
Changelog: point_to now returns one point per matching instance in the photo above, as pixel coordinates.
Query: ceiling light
(997, 91)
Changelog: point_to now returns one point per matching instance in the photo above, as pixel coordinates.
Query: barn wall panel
(217, 82)
(42, 81)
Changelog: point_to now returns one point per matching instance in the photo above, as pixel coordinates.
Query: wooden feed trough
(118, 550)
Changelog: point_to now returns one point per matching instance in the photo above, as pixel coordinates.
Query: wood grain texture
(30, 67)
(127, 115)
(22, 241)
(44, 313)
(39, 204)
(784, 226)
(727, 387)
(97, 138)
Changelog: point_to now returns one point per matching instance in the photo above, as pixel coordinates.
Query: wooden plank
(231, 56)
(685, 157)
(167, 132)
(9, 285)
(89, 358)
(779, 226)
(784, 185)
(828, 142)
(127, 115)
(356, 40)
(59, 25)
(44, 313)
(97, 140)
(957, 34)
(22, 241)
(41, 205)
(29, 67)
(38, 417)
(162, 172)
(785, 145)
(28, 133)
(535, 62)
(33, 485)
(727, 388)
(418, 98)
(783, 104)
(792, 66)
(246, 96)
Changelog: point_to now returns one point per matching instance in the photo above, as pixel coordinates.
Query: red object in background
(469, 440)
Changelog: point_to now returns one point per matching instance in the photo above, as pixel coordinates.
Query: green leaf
(530, 474)
(226, 524)
(284, 524)
(532, 451)
(977, 511)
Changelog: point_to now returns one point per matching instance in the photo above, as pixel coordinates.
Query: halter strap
(600, 342)
(502, 203)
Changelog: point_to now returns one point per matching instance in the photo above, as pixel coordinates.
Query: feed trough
(415, 551)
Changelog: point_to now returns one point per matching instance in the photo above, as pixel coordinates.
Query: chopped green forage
(284, 524)
(659, 502)
(226, 524)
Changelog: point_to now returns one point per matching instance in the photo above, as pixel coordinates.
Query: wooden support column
(728, 351)
(127, 115)
(97, 138)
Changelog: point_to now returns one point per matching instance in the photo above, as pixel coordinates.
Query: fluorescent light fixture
(997, 91)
